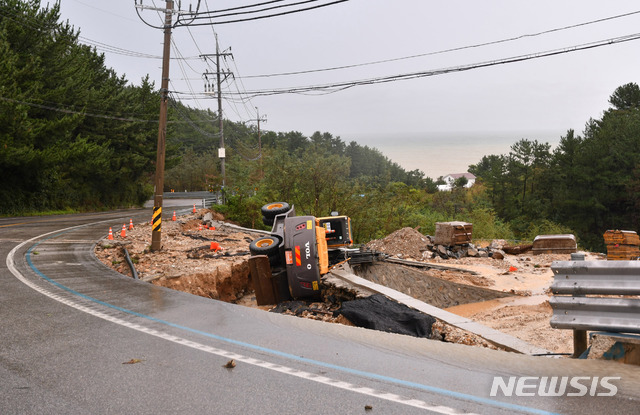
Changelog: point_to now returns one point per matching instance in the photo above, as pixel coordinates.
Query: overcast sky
(419, 123)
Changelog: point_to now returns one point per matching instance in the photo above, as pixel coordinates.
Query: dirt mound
(405, 243)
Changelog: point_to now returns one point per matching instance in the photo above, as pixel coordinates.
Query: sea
(442, 153)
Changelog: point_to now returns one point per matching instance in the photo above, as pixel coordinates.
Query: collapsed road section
(188, 263)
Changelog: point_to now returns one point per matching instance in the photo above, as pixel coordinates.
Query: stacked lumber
(554, 244)
(453, 233)
(622, 245)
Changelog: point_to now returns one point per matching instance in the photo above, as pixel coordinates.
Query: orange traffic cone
(174, 216)
(130, 224)
(213, 228)
(200, 227)
(110, 234)
(194, 208)
(215, 247)
(124, 231)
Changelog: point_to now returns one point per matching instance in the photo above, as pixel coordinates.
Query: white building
(450, 180)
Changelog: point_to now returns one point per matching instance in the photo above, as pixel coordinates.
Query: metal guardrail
(616, 315)
(208, 199)
(585, 297)
(596, 277)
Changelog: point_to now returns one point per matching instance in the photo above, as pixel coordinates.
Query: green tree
(72, 132)
(626, 97)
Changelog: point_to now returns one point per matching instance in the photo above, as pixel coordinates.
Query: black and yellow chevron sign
(157, 219)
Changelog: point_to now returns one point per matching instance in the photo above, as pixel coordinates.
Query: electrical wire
(478, 45)
(191, 123)
(340, 86)
(68, 111)
(195, 18)
(215, 14)
(247, 6)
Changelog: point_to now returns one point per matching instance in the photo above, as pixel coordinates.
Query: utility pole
(156, 230)
(156, 233)
(221, 152)
(221, 76)
(258, 119)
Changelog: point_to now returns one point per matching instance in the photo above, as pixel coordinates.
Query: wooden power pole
(156, 233)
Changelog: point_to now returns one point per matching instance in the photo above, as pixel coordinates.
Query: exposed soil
(516, 302)
(405, 243)
(186, 261)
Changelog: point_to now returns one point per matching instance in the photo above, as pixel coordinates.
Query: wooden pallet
(554, 244)
(622, 245)
(613, 237)
(617, 252)
(453, 233)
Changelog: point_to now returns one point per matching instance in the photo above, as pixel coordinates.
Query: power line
(195, 17)
(51, 107)
(191, 123)
(340, 86)
(248, 6)
(69, 111)
(216, 14)
(478, 45)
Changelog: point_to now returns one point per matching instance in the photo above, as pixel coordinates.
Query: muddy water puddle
(467, 310)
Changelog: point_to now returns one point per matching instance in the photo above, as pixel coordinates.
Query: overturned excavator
(303, 248)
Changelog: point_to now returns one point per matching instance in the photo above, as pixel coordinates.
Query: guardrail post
(579, 343)
(579, 336)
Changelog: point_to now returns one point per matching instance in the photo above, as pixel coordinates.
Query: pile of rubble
(408, 243)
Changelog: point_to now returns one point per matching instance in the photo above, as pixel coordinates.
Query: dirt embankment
(508, 295)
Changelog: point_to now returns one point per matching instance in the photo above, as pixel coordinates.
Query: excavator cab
(337, 231)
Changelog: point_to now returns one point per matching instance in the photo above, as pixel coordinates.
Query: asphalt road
(78, 338)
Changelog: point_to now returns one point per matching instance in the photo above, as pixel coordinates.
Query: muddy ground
(510, 295)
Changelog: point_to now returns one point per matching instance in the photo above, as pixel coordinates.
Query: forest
(75, 136)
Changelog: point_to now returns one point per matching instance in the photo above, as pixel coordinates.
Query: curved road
(78, 338)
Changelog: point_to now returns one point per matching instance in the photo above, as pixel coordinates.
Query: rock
(472, 252)
(498, 254)
(517, 250)
(498, 244)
